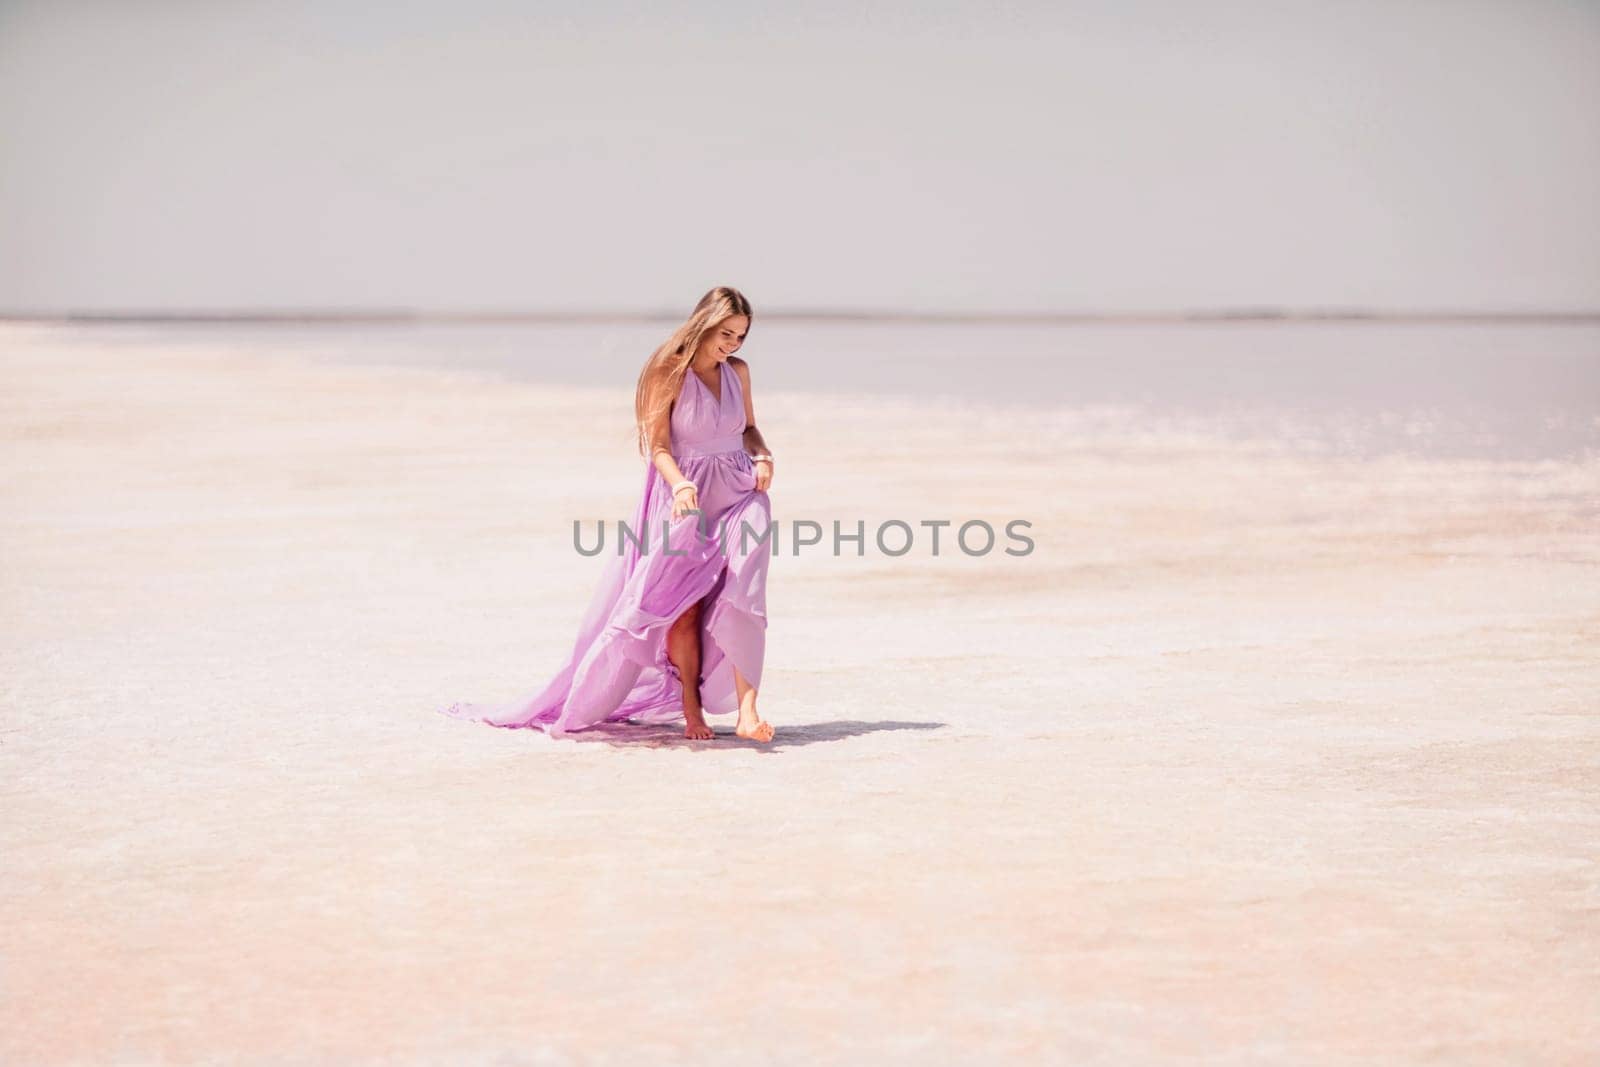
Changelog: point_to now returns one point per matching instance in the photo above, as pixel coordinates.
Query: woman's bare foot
(695, 728)
(752, 727)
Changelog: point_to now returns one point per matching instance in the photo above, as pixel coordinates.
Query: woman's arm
(753, 441)
(660, 438)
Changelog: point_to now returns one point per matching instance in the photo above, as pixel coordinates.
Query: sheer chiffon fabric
(618, 668)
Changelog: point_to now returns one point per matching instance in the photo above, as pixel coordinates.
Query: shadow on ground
(670, 735)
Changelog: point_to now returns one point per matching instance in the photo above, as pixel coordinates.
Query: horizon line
(420, 316)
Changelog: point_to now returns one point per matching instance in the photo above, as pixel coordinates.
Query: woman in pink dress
(677, 626)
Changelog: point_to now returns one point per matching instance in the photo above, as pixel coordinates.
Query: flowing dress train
(618, 668)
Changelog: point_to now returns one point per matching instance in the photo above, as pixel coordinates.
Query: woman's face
(725, 339)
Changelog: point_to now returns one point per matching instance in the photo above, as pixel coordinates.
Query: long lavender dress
(618, 669)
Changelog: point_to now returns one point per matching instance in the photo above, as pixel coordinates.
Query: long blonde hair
(662, 376)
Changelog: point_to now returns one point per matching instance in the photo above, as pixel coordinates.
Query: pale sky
(1124, 155)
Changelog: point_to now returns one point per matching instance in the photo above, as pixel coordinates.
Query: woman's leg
(683, 649)
(749, 547)
(750, 724)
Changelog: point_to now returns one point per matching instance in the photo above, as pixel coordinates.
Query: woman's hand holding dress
(685, 501)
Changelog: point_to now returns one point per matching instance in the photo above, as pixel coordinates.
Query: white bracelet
(683, 483)
(763, 456)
